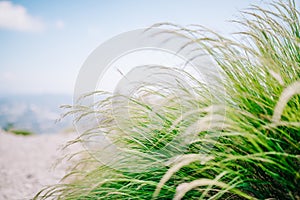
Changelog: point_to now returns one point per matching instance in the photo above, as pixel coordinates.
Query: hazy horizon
(44, 46)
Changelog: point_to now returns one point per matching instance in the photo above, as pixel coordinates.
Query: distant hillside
(35, 113)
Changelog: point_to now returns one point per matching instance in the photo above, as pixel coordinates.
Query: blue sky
(44, 43)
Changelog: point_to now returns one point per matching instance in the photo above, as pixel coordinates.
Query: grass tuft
(198, 151)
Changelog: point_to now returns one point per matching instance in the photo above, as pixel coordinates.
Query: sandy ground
(27, 163)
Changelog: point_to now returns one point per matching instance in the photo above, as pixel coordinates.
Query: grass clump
(21, 132)
(10, 128)
(251, 151)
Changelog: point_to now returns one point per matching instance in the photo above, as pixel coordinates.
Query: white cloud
(15, 17)
(59, 24)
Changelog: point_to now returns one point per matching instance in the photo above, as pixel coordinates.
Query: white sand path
(26, 163)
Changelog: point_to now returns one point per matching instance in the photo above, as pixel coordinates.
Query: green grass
(256, 148)
(21, 132)
(10, 128)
